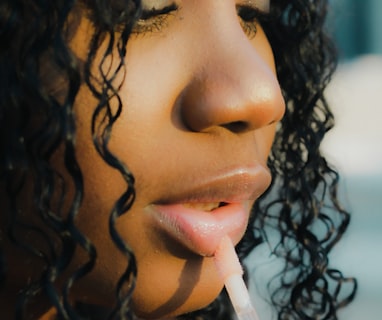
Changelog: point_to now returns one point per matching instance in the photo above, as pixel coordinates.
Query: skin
(190, 111)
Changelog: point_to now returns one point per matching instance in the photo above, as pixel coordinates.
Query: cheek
(166, 284)
(103, 185)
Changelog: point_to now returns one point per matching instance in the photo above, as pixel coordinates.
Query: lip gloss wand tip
(228, 265)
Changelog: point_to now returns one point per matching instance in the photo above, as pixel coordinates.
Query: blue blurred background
(357, 26)
(354, 147)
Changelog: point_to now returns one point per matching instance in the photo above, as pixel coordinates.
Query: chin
(169, 311)
(175, 293)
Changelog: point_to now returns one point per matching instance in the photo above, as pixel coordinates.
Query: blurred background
(357, 26)
(354, 147)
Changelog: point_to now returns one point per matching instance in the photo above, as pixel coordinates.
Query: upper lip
(230, 186)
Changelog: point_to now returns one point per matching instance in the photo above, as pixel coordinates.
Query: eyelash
(250, 19)
(156, 19)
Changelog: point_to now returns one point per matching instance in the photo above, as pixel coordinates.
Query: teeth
(203, 206)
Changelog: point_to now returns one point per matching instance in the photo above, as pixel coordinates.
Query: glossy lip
(201, 231)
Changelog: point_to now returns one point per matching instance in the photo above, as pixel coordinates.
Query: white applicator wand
(231, 271)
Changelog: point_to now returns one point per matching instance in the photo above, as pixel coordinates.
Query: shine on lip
(201, 231)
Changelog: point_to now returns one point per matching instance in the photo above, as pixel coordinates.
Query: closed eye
(154, 19)
(250, 18)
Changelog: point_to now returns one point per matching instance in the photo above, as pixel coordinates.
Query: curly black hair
(36, 120)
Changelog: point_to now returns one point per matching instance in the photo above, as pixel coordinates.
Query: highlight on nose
(252, 102)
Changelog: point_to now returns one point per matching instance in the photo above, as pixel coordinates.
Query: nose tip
(240, 98)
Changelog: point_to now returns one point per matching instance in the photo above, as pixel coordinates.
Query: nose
(235, 87)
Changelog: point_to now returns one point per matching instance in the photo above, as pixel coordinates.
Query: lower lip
(202, 231)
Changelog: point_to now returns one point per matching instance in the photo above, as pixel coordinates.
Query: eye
(250, 18)
(154, 19)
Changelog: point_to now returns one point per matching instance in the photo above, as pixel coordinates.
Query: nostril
(236, 126)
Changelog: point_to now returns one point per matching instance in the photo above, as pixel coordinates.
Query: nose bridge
(235, 86)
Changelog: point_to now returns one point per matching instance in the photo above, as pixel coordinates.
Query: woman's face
(200, 105)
